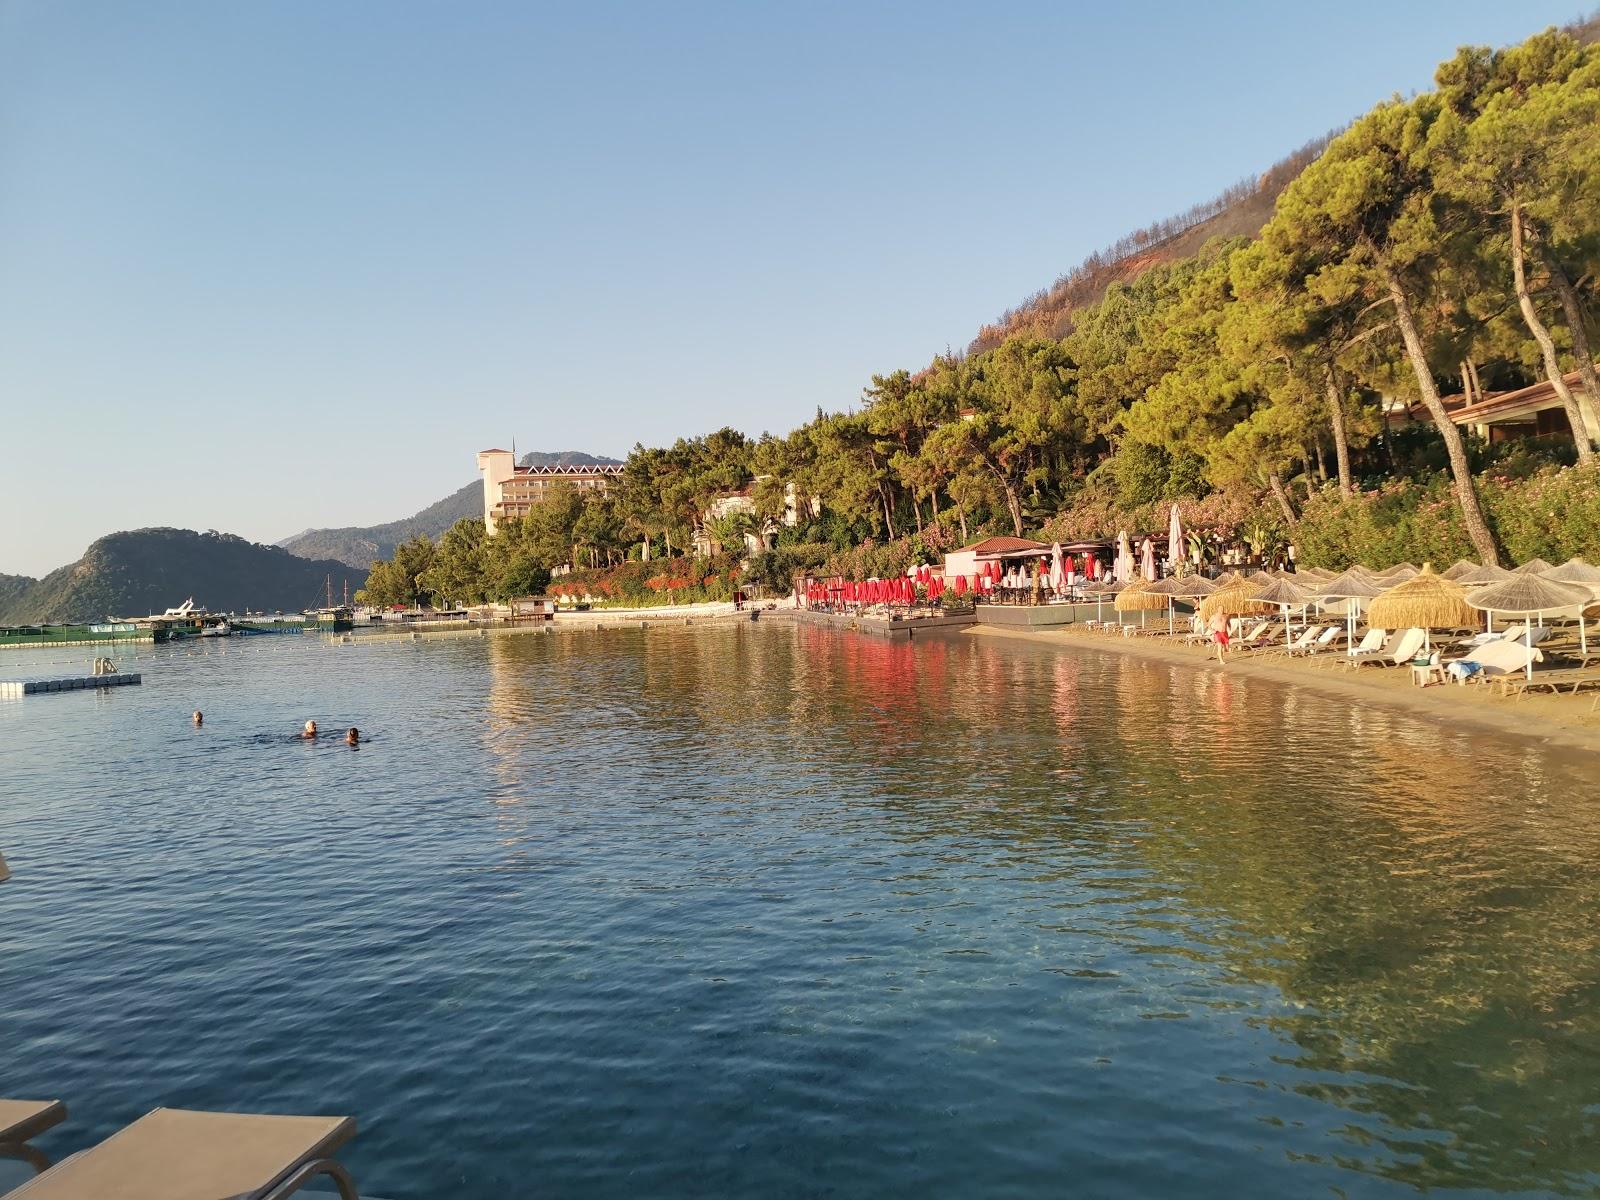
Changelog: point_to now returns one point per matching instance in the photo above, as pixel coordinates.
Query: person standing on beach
(1219, 634)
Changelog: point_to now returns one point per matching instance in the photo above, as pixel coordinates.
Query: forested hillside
(359, 546)
(1240, 211)
(1284, 385)
(148, 570)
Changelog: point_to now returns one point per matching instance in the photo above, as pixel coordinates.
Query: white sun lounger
(174, 1154)
(1397, 653)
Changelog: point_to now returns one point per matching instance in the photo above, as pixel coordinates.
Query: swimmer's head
(310, 729)
(353, 738)
(198, 716)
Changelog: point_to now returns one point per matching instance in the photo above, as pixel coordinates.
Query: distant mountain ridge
(358, 546)
(141, 571)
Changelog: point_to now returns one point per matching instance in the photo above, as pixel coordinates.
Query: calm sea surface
(767, 911)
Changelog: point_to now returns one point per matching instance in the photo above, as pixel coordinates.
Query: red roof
(993, 546)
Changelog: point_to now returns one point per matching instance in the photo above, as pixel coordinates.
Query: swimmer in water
(310, 731)
(199, 718)
(353, 738)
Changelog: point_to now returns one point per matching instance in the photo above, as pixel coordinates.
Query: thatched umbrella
(1534, 566)
(1137, 597)
(1184, 586)
(1533, 596)
(1241, 598)
(1462, 567)
(1484, 573)
(1352, 587)
(1228, 579)
(1425, 601)
(1100, 591)
(1285, 594)
(1398, 574)
(1574, 570)
(1261, 577)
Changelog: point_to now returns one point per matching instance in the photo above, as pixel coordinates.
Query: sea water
(772, 911)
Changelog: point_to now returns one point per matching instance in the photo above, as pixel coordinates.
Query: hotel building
(509, 491)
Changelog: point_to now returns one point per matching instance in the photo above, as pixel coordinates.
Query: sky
(271, 266)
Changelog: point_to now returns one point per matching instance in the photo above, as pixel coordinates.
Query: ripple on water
(774, 911)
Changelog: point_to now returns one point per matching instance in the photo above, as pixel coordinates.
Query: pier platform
(13, 688)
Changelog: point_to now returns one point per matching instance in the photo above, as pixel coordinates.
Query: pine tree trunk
(888, 513)
(1282, 496)
(1460, 469)
(1547, 345)
(1014, 503)
(1573, 309)
(1341, 440)
(962, 510)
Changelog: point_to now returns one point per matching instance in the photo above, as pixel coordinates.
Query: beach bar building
(969, 560)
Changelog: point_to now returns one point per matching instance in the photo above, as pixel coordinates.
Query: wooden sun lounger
(175, 1154)
(1552, 681)
(23, 1120)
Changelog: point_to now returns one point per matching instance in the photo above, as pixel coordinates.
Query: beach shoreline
(1564, 721)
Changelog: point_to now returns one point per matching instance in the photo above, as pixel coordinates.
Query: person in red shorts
(1219, 634)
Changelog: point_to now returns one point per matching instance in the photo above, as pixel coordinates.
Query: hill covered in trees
(1240, 211)
(1287, 384)
(359, 546)
(147, 570)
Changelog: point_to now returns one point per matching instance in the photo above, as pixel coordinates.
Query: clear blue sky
(265, 266)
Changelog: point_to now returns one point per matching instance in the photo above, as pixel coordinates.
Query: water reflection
(768, 910)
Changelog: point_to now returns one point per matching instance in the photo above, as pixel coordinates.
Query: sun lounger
(1493, 660)
(1304, 639)
(1515, 683)
(1402, 648)
(1321, 642)
(174, 1154)
(23, 1120)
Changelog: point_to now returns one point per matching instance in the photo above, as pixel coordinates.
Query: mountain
(358, 546)
(147, 570)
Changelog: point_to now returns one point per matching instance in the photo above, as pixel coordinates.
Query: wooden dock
(14, 688)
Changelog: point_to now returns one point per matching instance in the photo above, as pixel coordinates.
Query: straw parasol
(1286, 594)
(1398, 573)
(1352, 587)
(1529, 595)
(1425, 601)
(1534, 566)
(1238, 599)
(1228, 579)
(1187, 587)
(1461, 567)
(1137, 597)
(1484, 573)
(1574, 570)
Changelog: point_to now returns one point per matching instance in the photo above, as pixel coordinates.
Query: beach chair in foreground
(1320, 643)
(1300, 642)
(1400, 650)
(1516, 683)
(174, 1154)
(1261, 636)
(20, 1122)
(1493, 661)
(1371, 643)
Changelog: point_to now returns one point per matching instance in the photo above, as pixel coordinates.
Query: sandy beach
(1561, 720)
